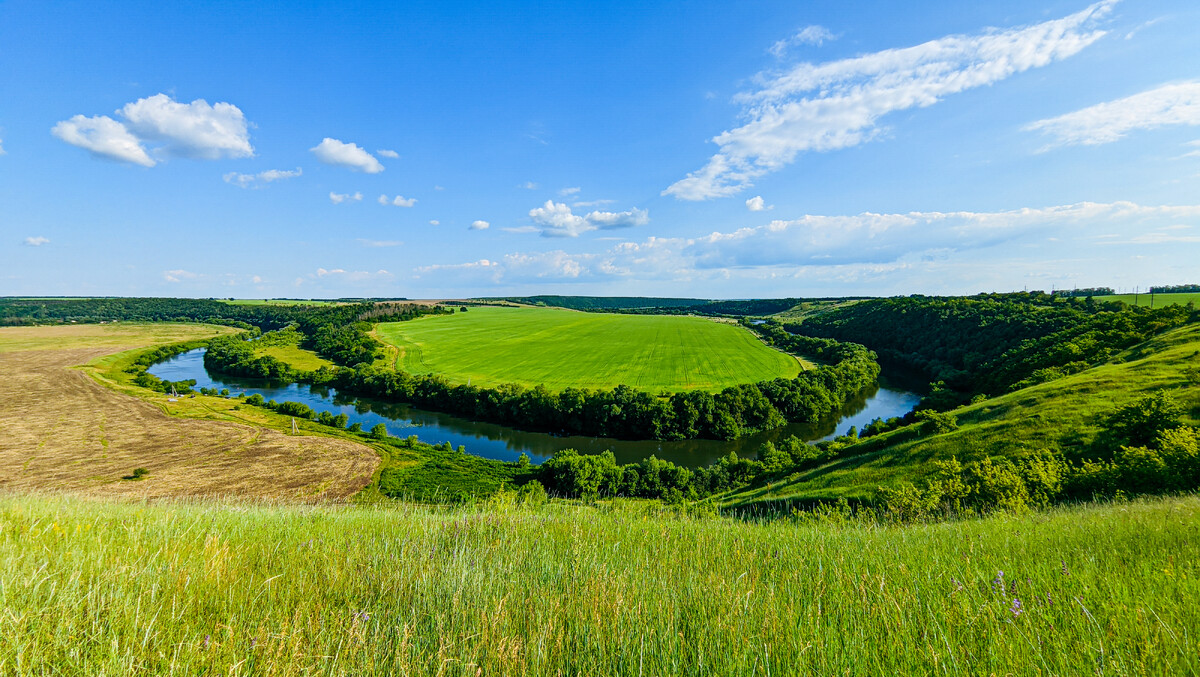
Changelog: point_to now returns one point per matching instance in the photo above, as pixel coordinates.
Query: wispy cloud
(1174, 104)
(555, 219)
(170, 128)
(339, 198)
(852, 244)
(809, 35)
(379, 243)
(36, 241)
(838, 104)
(529, 185)
(256, 180)
(568, 192)
(388, 153)
(348, 155)
(179, 275)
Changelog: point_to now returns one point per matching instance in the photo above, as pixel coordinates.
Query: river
(506, 444)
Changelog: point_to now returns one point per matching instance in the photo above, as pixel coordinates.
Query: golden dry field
(61, 429)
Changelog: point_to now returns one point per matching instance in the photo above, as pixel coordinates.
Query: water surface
(503, 443)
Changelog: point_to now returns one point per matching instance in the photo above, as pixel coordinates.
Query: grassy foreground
(1159, 300)
(565, 348)
(203, 588)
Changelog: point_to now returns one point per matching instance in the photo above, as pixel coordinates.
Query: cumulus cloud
(388, 153)
(103, 137)
(1174, 104)
(339, 198)
(809, 35)
(398, 201)
(195, 130)
(838, 104)
(36, 241)
(434, 222)
(757, 204)
(556, 219)
(349, 155)
(256, 180)
(480, 225)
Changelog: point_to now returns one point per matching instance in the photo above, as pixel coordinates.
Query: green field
(277, 302)
(1159, 300)
(564, 348)
(106, 588)
(1064, 414)
(296, 357)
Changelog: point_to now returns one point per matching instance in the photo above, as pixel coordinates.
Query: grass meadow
(1159, 300)
(564, 348)
(109, 588)
(296, 357)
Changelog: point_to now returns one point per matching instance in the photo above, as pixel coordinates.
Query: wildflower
(1064, 568)
(1049, 599)
(998, 582)
(957, 585)
(207, 640)
(1017, 609)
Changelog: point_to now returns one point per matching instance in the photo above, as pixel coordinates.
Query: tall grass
(207, 588)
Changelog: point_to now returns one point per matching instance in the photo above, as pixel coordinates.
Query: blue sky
(713, 149)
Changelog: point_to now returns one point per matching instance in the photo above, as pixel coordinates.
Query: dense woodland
(994, 343)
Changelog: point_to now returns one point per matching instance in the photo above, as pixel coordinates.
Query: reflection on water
(506, 444)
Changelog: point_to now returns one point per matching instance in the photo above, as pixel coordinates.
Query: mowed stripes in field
(564, 348)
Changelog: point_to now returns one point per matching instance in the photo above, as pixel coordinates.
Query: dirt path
(61, 430)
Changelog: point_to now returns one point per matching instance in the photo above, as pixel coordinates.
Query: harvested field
(61, 430)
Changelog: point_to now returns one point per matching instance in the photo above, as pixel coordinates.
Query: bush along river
(507, 444)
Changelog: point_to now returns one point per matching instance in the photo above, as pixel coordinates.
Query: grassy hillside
(203, 588)
(1064, 414)
(562, 348)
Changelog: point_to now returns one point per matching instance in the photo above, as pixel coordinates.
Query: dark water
(506, 444)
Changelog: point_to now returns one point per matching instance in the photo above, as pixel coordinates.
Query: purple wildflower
(207, 640)
(1017, 609)
(998, 582)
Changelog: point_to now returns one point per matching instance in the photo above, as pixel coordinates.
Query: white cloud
(757, 204)
(592, 203)
(399, 201)
(1174, 104)
(480, 225)
(825, 107)
(349, 155)
(36, 241)
(434, 222)
(568, 192)
(2, 152)
(522, 229)
(388, 153)
(179, 275)
(103, 137)
(528, 185)
(856, 247)
(195, 130)
(256, 279)
(255, 180)
(379, 243)
(339, 198)
(810, 35)
(556, 219)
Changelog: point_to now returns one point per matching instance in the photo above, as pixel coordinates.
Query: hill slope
(1062, 415)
